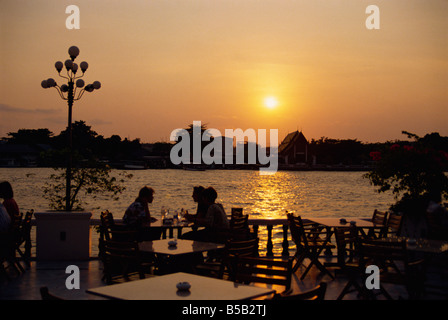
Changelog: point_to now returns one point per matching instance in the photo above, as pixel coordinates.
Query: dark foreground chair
(221, 265)
(22, 237)
(122, 261)
(46, 295)
(349, 261)
(317, 293)
(396, 266)
(274, 271)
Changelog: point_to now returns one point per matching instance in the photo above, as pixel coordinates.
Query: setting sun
(270, 102)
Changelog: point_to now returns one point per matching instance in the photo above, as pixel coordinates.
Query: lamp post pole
(68, 92)
(68, 175)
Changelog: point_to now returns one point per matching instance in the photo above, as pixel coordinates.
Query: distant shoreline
(240, 167)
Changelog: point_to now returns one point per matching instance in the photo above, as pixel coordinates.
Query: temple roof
(290, 139)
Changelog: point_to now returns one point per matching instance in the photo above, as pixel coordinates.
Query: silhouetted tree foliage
(415, 172)
(333, 151)
(30, 136)
(88, 146)
(87, 184)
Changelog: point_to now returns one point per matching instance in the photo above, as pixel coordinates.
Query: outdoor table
(164, 288)
(180, 257)
(332, 223)
(336, 222)
(170, 227)
(183, 247)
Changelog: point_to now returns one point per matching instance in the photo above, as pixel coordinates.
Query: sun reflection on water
(271, 195)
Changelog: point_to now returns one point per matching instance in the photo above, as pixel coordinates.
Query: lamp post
(70, 93)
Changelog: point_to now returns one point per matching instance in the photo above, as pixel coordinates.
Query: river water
(308, 193)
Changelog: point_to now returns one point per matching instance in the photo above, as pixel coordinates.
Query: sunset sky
(166, 63)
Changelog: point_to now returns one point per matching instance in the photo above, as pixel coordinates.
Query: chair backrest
(17, 221)
(394, 223)
(240, 222)
(124, 235)
(245, 248)
(317, 293)
(378, 251)
(107, 218)
(237, 212)
(276, 271)
(388, 253)
(346, 238)
(23, 233)
(379, 217)
(120, 259)
(107, 223)
(26, 222)
(46, 295)
(294, 226)
(298, 232)
(128, 249)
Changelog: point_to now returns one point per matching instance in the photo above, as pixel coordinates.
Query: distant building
(293, 149)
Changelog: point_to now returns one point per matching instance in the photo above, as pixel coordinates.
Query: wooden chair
(107, 218)
(237, 212)
(121, 262)
(107, 225)
(9, 241)
(239, 222)
(243, 248)
(379, 218)
(110, 231)
(309, 245)
(273, 271)
(393, 225)
(46, 295)
(22, 237)
(348, 260)
(221, 266)
(317, 293)
(239, 228)
(8, 256)
(17, 221)
(387, 255)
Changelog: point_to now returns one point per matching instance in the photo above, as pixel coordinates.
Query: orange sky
(166, 63)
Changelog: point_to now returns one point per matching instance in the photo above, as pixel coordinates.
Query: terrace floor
(53, 275)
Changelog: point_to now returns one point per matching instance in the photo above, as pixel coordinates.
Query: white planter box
(62, 235)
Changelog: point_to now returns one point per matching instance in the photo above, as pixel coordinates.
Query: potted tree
(66, 234)
(415, 173)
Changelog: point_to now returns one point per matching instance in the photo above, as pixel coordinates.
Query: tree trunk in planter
(63, 235)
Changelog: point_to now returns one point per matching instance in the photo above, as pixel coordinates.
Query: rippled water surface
(313, 193)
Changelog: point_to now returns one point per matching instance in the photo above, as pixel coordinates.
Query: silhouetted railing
(267, 239)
